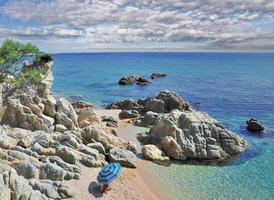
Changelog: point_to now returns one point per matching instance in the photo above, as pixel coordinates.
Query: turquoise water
(231, 87)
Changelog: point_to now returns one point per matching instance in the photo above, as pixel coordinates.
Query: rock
(25, 169)
(143, 138)
(52, 172)
(109, 119)
(147, 120)
(128, 114)
(67, 155)
(112, 124)
(91, 133)
(142, 81)
(195, 135)
(89, 151)
(60, 128)
(98, 146)
(125, 157)
(25, 142)
(172, 101)
(47, 120)
(157, 75)
(254, 126)
(50, 106)
(155, 105)
(64, 106)
(131, 147)
(89, 161)
(123, 105)
(172, 148)
(86, 117)
(80, 105)
(152, 152)
(129, 80)
(64, 120)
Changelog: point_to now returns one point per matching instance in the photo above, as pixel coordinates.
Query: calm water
(231, 87)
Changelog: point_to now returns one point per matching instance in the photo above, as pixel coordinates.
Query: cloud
(221, 23)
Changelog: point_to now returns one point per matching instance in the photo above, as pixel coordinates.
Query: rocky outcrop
(44, 141)
(125, 157)
(164, 102)
(194, 135)
(157, 75)
(129, 80)
(254, 126)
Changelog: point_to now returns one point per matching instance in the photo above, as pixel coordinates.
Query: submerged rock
(157, 75)
(254, 126)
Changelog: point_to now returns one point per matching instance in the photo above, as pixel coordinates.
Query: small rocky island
(178, 131)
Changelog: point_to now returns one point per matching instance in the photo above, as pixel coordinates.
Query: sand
(132, 184)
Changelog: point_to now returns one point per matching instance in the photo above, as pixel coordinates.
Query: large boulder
(64, 107)
(155, 105)
(52, 172)
(86, 117)
(67, 155)
(50, 106)
(152, 152)
(254, 126)
(125, 157)
(25, 169)
(172, 101)
(194, 135)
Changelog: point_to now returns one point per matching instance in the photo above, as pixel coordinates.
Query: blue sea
(232, 87)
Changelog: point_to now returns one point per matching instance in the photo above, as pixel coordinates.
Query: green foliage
(13, 54)
(35, 74)
(44, 58)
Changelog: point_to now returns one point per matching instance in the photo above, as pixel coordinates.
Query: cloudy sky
(95, 25)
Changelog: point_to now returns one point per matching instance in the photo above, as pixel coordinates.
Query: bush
(44, 57)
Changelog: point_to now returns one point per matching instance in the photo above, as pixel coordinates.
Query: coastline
(143, 183)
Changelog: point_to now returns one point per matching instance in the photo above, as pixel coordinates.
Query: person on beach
(108, 174)
(104, 188)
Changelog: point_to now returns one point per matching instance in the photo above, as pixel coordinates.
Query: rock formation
(180, 131)
(129, 80)
(44, 141)
(254, 126)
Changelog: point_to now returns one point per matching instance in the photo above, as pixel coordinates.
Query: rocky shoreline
(44, 141)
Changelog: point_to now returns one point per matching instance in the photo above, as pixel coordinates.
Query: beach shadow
(94, 189)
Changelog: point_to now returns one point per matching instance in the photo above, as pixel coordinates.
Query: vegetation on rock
(20, 62)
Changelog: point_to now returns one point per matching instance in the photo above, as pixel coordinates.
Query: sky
(140, 25)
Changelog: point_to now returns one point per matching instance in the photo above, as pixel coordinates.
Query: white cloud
(217, 22)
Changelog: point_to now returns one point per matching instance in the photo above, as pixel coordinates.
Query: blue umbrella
(109, 173)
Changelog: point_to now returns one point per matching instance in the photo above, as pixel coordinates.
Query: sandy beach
(133, 183)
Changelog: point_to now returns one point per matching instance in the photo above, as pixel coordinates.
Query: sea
(231, 87)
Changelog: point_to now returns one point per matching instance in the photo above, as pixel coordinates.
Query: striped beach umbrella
(109, 173)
